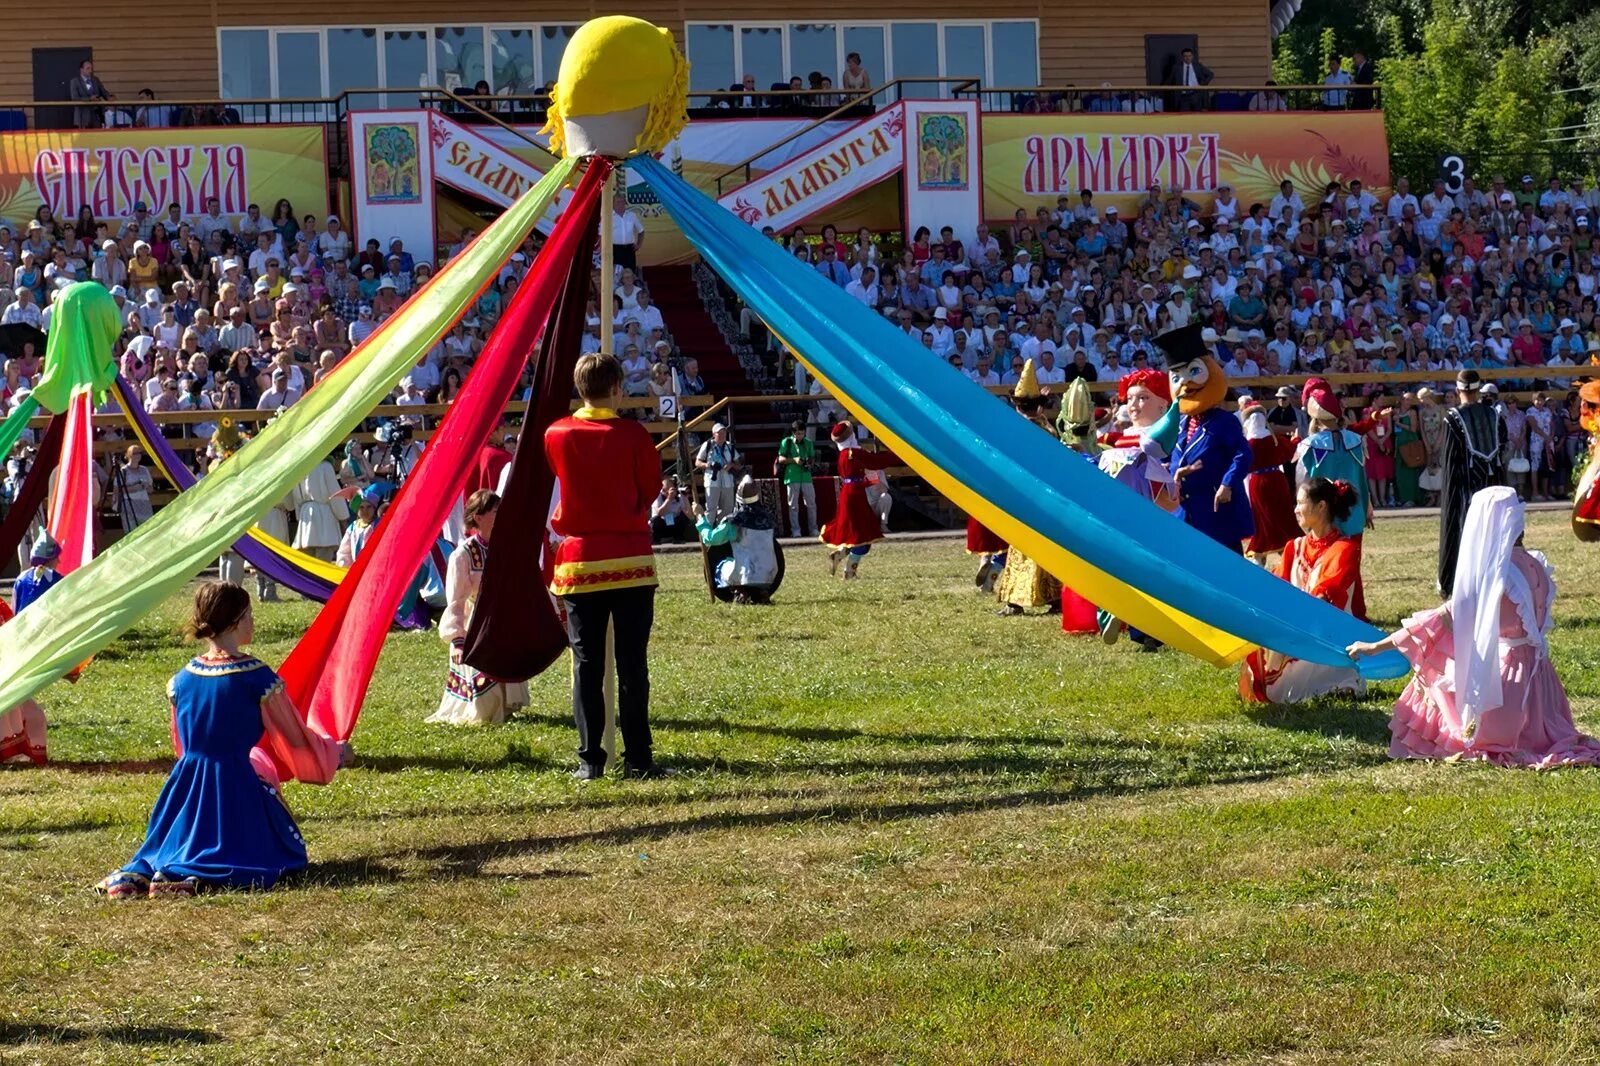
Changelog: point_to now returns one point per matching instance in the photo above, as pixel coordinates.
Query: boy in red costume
(855, 524)
(1271, 498)
(605, 574)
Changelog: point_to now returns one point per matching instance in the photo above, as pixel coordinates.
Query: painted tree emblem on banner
(942, 151)
(394, 166)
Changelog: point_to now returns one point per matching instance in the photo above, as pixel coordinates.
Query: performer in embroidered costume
(1272, 501)
(1210, 457)
(1586, 496)
(608, 473)
(1325, 564)
(855, 524)
(472, 697)
(357, 533)
(1023, 583)
(1338, 455)
(1474, 458)
(220, 820)
(751, 533)
(1134, 458)
(22, 728)
(1484, 686)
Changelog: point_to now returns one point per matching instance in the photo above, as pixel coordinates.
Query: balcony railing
(1113, 99)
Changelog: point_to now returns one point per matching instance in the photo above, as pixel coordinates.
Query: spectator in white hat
(721, 463)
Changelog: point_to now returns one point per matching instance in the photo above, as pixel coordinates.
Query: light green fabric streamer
(96, 604)
(83, 332)
(16, 423)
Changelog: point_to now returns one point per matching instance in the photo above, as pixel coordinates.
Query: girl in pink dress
(1484, 687)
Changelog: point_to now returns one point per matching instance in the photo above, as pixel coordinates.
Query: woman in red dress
(1326, 564)
(855, 524)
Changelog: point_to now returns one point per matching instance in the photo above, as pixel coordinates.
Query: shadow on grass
(815, 733)
(123, 766)
(1330, 717)
(467, 860)
(513, 757)
(137, 1035)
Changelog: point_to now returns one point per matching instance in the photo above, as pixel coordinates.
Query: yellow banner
(111, 170)
(1029, 160)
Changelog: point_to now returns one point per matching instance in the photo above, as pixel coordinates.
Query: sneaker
(833, 563)
(1110, 627)
(652, 771)
(164, 886)
(588, 772)
(124, 884)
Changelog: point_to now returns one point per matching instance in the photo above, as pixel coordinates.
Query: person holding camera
(721, 462)
(797, 454)
(669, 515)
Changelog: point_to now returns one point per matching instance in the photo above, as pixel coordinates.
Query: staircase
(675, 290)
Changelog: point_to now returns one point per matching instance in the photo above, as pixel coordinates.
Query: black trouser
(679, 532)
(625, 256)
(629, 612)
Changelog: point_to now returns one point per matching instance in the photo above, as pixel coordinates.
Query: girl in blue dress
(219, 821)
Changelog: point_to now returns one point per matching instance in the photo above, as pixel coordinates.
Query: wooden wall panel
(1083, 43)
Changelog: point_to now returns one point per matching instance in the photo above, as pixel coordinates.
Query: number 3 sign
(1452, 171)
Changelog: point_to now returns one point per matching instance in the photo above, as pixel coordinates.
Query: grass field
(907, 831)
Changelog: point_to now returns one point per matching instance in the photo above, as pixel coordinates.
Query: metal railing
(1125, 99)
(857, 106)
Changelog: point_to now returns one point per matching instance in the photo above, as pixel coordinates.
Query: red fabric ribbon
(329, 670)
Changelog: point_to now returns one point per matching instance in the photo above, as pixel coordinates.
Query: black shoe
(651, 771)
(588, 772)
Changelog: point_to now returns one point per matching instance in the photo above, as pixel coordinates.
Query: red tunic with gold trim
(609, 475)
(981, 540)
(1271, 498)
(855, 522)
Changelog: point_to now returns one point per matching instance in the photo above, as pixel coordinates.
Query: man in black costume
(1474, 458)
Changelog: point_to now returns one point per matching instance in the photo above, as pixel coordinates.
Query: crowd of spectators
(1485, 278)
(248, 312)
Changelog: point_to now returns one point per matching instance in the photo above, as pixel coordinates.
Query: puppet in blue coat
(1209, 455)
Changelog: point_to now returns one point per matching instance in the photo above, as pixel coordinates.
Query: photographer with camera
(721, 462)
(797, 456)
(669, 515)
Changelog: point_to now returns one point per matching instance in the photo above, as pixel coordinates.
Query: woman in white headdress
(1484, 686)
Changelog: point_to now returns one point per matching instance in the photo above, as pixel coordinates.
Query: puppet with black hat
(1474, 458)
(1210, 457)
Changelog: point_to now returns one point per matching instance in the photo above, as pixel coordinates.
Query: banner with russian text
(111, 170)
(1029, 160)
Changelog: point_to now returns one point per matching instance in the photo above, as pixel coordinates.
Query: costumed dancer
(275, 524)
(855, 525)
(1272, 501)
(318, 508)
(22, 728)
(1474, 458)
(991, 553)
(1586, 497)
(1339, 455)
(1210, 457)
(220, 820)
(470, 696)
(1023, 583)
(607, 473)
(1484, 686)
(751, 533)
(1325, 564)
(1136, 459)
(358, 532)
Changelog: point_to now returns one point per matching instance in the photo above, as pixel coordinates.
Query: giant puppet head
(1195, 376)
(1147, 394)
(623, 89)
(1076, 421)
(1322, 404)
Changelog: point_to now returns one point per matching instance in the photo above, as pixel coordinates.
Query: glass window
(458, 56)
(353, 62)
(511, 54)
(552, 43)
(244, 60)
(814, 47)
(868, 43)
(915, 50)
(1016, 53)
(761, 52)
(405, 65)
(710, 57)
(965, 52)
(299, 64)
